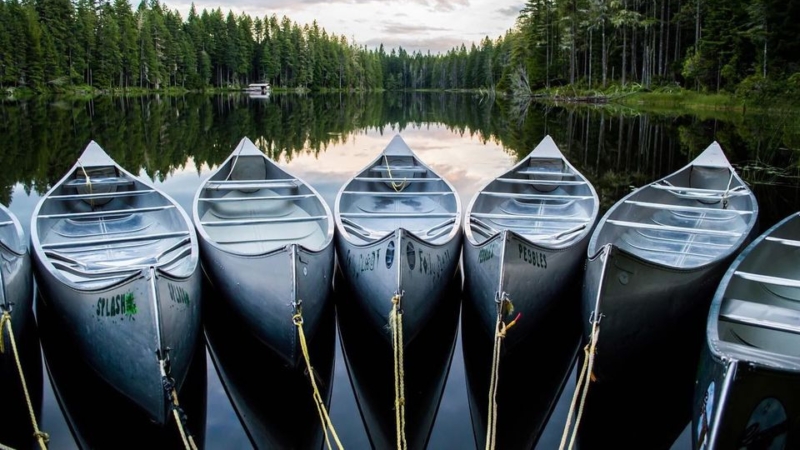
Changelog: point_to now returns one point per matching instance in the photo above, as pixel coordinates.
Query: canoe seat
(543, 197)
(673, 207)
(398, 194)
(546, 217)
(648, 226)
(105, 213)
(102, 195)
(396, 180)
(398, 169)
(93, 182)
(534, 171)
(251, 185)
(541, 182)
(254, 198)
(768, 279)
(760, 315)
(104, 241)
(396, 215)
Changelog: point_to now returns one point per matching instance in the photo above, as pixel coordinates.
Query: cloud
(511, 11)
(403, 29)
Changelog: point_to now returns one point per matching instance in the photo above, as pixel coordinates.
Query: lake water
(177, 141)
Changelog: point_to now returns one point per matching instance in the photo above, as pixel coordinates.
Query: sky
(435, 25)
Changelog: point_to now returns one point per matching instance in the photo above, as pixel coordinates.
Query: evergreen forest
(706, 45)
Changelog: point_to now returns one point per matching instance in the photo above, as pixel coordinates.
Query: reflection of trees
(616, 148)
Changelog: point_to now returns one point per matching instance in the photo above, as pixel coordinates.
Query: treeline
(713, 45)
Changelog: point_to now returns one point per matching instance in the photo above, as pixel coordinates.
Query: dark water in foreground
(177, 141)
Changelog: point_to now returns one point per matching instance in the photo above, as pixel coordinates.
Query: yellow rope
(582, 386)
(397, 187)
(396, 324)
(325, 419)
(500, 333)
(41, 437)
(188, 441)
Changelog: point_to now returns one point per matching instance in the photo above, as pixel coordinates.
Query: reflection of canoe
(16, 286)
(398, 233)
(748, 389)
(267, 245)
(657, 255)
(525, 238)
(527, 392)
(272, 400)
(97, 414)
(118, 262)
(370, 368)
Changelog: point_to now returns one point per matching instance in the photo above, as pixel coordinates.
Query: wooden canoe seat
(760, 315)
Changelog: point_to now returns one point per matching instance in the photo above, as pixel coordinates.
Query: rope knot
(42, 435)
(396, 300)
(297, 319)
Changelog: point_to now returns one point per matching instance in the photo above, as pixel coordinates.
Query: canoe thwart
(100, 181)
(396, 215)
(673, 207)
(738, 190)
(5, 223)
(406, 169)
(101, 195)
(528, 217)
(101, 213)
(648, 226)
(118, 240)
(230, 185)
(788, 242)
(396, 180)
(768, 279)
(541, 182)
(532, 171)
(398, 194)
(536, 196)
(259, 198)
(760, 315)
(256, 221)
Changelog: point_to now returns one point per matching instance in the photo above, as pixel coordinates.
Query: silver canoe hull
(265, 290)
(400, 263)
(117, 336)
(16, 276)
(746, 394)
(532, 277)
(267, 246)
(117, 263)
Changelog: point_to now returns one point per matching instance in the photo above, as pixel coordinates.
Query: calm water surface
(325, 140)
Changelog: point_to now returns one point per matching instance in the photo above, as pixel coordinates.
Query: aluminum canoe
(526, 234)
(267, 246)
(399, 232)
(747, 393)
(657, 256)
(117, 262)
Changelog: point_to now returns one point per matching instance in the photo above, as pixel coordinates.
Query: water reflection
(16, 429)
(325, 139)
(272, 400)
(371, 368)
(532, 374)
(97, 414)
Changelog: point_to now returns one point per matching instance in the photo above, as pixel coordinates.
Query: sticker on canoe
(486, 254)
(532, 257)
(704, 423)
(767, 427)
(177, 294)
(116, 305)
(390, 255)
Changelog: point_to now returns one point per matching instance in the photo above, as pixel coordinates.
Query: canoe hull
(400, 263)
(533, 277)
(634, 292)
(116, 329)
(266, 300)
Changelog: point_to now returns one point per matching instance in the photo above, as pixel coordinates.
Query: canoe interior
(686, 220)
(544, 200)
(761, 304)
(9, 233)
(96, 232)
(397, 191)
(256, 208)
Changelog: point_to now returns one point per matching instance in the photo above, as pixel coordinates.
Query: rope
(177, 411)
(500, 333)
(582, 386)
(88, 183)
(41, 437)
(324, 418)
(396, 324)
(397, 187)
